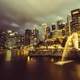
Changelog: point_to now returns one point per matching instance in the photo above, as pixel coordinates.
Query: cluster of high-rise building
(10, 39)
(32, 36)
(60, 29)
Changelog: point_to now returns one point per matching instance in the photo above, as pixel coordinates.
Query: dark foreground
(38, 69)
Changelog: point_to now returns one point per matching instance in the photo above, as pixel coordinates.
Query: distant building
(2, 39)
(60, 29)
(28, 35)
(75, 24)
(35, 33)
(44, 25)
(60, 24)
(53, 27)
(68, 25)
(35, 36)
(48, 33)
(19, 40)
(13, 40)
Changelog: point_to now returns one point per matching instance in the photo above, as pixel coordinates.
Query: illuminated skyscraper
(35, 36)
(35, 33)
(48, 32)
(60, 24)
(2, 39)
(68, 26)
(75, 24)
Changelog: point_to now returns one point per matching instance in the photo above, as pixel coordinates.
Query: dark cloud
(21, 12)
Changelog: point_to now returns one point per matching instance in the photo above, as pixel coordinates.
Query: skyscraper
(60, 24)
(48, 33)
(53, 27)
(28, 35)
(75, 24)
(68, 26)
(35, 36)
(2, 39)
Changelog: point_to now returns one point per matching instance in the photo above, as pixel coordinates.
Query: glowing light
(12, 34)
(18, 52)
(66, 48)
(9, 31)
(28, 58)
(8, 55)
(52, 60)
(63, 62)
(75, 40)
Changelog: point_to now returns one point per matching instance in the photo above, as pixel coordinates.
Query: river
(38, 69)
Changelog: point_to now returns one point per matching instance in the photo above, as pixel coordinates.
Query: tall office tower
(28, 35)
(75, 24)
(60, 24)
(68, 25)
(2, 39)
(35, 36)
(48, 32)
(35, 33)
(13, 40)
(53, 27)
(44, 25)
(19, 40)
(60, 28)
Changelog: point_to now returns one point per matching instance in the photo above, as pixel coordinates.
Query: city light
(12, 34)
(39, 39)
(63, 62)
(9, 31)
(8, 56)
(28, 59)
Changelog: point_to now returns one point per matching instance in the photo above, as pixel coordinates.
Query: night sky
(21, 14)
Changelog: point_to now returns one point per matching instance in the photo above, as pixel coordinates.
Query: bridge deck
(45, 53)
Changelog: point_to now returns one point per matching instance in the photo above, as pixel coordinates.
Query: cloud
(14, 25)
(35, 11)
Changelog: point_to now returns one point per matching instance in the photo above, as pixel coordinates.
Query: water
(8, 55)
(41, 68)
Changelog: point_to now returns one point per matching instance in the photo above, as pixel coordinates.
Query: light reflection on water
(38, 69)
(8, 56)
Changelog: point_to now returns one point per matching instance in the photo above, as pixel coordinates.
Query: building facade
(75, 23)
(28, 36)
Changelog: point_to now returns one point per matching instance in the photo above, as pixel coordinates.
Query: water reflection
(38, 69)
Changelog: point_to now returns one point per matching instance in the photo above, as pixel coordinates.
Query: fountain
(72, 40)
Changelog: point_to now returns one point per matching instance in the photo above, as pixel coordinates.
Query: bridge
(46, 53)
